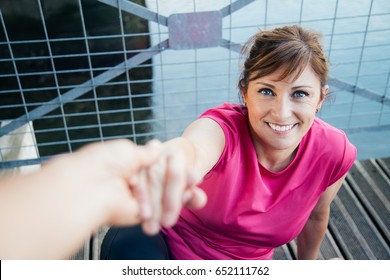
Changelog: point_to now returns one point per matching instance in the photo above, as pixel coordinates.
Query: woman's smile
(281, 129)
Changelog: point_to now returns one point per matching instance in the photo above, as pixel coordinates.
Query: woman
(270, 168)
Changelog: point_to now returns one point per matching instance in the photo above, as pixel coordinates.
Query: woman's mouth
(280, 128)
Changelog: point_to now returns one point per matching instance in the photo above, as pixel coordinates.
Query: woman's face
(282, 112)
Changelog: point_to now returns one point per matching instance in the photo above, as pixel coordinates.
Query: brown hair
(290, 47)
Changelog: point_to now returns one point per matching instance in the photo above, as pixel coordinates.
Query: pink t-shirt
(250, 210)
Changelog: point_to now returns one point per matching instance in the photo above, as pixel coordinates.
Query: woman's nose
(282, 108)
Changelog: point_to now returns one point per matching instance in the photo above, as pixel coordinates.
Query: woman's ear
(243, 90)
(324, 92)
(243, 96)
(242, 83)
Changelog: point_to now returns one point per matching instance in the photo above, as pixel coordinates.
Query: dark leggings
(130, 243)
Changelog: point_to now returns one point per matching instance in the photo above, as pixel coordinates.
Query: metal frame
(177, 24)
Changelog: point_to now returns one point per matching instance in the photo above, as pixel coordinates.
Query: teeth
(280, 127)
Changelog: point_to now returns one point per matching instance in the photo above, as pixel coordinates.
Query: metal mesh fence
(78, 71)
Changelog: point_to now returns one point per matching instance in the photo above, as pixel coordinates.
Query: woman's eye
(300, 94)
(266, 91)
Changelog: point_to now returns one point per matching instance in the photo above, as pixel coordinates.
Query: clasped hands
(147, 184)
(164, 187)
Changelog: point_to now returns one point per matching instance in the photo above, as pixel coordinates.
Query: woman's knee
(131, 243)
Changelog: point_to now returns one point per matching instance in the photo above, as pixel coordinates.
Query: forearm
(48, 214)
(185, 147)
(310, 239)
(43, 217)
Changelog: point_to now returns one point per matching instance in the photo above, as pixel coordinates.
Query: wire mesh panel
(55, 56)
(77, 71)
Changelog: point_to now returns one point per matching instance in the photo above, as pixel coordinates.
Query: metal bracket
(195, 30)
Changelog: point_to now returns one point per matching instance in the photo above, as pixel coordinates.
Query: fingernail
(187, 195)
(169, 219)
(154, 142)
(151, 227)
(154, 145)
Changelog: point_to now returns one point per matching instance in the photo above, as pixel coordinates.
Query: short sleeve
(232, 119)
(346, 160)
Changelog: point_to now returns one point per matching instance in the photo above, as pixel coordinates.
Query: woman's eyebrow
(272, 86)
(302, 86)
(265, 84)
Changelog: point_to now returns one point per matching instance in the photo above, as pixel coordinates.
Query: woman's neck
(274, 160)
(275, 163)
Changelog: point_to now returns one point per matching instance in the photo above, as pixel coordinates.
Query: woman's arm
(202, 142)
(195, 153)
(310, 239)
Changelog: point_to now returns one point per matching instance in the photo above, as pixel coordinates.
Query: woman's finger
(140, 188)
(194, 197)
(155, 181)
(176, 183)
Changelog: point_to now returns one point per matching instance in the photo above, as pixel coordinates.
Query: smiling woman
(281, 112)
(270, 168)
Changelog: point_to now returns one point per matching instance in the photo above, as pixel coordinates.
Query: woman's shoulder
(330, 142)
(325, 134)
(231, 115)
(328, 149)
(232, 118)
(227, 109)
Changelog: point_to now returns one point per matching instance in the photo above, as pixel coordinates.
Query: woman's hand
(164, 188)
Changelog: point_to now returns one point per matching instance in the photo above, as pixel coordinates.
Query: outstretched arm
(48, 214)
